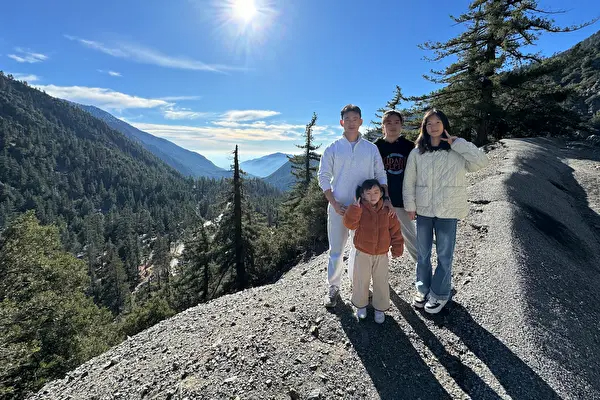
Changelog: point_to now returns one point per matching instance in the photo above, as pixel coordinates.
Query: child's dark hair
(423, 142)
(350, 108)
(366, 185)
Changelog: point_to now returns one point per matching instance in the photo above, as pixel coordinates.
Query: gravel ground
(522, 323)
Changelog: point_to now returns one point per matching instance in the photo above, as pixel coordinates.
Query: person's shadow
(395, 367)
(516, 377)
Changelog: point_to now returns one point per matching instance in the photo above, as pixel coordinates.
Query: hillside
(519, 327)
(264, 166)
(66, 164)
(582, 70)
(283, 179)
(187, 162)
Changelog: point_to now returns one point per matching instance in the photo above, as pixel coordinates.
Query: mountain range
(264, 166)
(188, 163)
(283, 179)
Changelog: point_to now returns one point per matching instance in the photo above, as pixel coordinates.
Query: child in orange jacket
(375, 232)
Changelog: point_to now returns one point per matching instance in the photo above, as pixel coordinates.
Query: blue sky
(198, 73)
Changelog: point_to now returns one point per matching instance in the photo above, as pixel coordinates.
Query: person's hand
(391, 210)
(449, 138)
(357, 202)
(412, 215)
(339, 208)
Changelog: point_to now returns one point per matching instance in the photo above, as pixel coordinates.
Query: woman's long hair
(423, 142)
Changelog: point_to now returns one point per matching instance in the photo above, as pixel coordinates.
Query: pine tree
(240, 267)
(48, 325)
(300, 227)
(114, 291)
(235, 236)
(303, 165)
(477, 93)
(193, 277)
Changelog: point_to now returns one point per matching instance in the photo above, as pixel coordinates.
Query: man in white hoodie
(345, 164)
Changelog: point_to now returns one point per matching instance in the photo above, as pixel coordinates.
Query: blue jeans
(438, 285)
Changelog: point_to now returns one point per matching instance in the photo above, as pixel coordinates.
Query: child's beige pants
(365, 267)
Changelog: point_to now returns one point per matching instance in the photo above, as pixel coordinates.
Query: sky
(210, 74)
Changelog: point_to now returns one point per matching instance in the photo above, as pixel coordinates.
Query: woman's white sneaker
(434, 306)
(419, 300)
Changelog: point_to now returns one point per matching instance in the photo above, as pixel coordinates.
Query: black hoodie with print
(394, 156)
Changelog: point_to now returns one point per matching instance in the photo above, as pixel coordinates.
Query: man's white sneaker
(379, 317)
(434, 306)
(330, 300)
(361, 313)
(419, 300)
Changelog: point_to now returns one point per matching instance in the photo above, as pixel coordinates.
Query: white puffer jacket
(434, 182)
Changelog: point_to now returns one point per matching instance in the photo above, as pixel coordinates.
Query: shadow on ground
(516, 377)
(395, 367)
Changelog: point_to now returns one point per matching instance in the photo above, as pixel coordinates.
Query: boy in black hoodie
(394, 150)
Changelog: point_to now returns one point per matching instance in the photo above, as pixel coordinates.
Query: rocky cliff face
(522, 323)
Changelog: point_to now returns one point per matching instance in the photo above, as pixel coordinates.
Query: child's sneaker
(419, 300)
(379, 317)
(434, 306)
(330, 300)
(361, 313)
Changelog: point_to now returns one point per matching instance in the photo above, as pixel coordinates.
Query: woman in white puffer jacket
(435, 193)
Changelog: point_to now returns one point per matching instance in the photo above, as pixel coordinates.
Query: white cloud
(257, 124)
(222, 135)
(109, 99)
(248, 115)
(111, 73)
(180, 98)
(184, 114)
(147, 55)
(98, 46)
(27, 56)
(25, 77)
(101, 97)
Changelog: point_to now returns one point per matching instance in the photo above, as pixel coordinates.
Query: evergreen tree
(303, 165)
(477, 93)
(240, 267)
(303, 216)
(193, 277)
(114, 290)
(235, 236)
(48, 326)
(161, 260)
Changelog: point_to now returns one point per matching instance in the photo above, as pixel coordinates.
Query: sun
(245, 25)
(244, 10)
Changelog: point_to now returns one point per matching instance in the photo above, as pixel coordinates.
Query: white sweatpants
(337, 235)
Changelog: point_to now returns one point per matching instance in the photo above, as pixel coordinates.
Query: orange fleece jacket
(375, 230)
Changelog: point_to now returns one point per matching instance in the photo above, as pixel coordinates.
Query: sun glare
(244, 10)
(246, 25)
